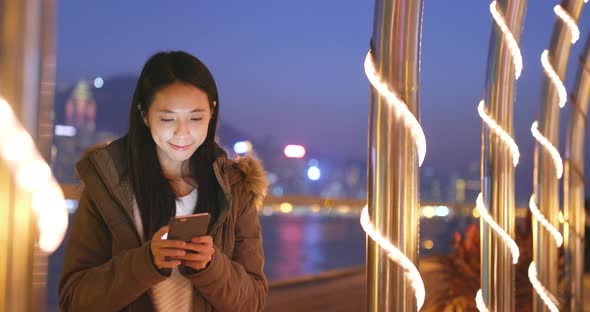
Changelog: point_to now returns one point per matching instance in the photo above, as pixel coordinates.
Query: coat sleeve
(93, 280)
(237, 284)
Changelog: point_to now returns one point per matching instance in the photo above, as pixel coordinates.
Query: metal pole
(574, 195)
(546, 184)
(393, 164)
(26, 80)
(497, 274)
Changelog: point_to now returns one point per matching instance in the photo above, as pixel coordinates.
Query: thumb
(159, 235)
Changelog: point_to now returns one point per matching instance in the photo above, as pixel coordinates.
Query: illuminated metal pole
(498, 160)
(27, 69)
(574, 195)
(393, 161)
(546, 184)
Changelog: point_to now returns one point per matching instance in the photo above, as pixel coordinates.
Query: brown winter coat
(107, 268)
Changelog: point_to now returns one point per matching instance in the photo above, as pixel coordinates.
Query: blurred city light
(277, 191)
(313, 162)
(98, 83)
(294, 151)
(242, 147)
(441, 211)
(66, 131)
(71, 205)
(343, 209)
(428, 212)
(272, 178)
(428, 244)
(267, 211)
(313, 173)
(286, 208)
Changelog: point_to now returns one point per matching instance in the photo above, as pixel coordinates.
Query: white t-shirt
(175, 293)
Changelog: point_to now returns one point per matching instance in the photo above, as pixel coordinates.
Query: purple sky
(297, 66)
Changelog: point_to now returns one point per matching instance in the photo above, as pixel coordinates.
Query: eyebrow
(196, 110)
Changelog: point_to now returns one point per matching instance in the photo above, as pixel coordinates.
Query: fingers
(162, 257)
(203, 240)
(160, 233)
(172, 253)
(162, 250)
(200, 253)
(195, 257)
(200, 248)
(175, 244)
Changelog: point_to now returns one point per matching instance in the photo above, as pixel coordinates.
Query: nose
(181, 129)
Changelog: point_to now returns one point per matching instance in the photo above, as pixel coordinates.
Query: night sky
(298, 66)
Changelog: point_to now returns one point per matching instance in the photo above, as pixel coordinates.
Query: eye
(196, 119)
(166, 119)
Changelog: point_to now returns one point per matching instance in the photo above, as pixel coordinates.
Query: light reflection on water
(305, 245)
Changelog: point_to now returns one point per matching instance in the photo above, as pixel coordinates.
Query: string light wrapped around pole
(548, 166)
(574, 182)
(500, 155)
(396, 148)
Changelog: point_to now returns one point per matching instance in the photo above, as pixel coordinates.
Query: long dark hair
(154, 195)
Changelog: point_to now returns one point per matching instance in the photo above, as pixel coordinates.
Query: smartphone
(187, 227)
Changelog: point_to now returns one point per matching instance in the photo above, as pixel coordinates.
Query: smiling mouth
(179, 147)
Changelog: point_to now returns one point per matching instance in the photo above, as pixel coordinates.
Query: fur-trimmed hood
(246, 173)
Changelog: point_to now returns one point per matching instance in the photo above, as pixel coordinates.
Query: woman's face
(178, 120)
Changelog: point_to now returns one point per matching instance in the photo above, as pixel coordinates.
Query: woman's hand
(199, 253)
(166, 252)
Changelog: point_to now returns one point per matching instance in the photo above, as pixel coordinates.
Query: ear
(214, 105)
(143, 116)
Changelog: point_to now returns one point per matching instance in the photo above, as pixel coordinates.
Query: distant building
(80, 109)
(77, 134)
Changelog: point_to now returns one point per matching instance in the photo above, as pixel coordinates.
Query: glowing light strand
(32, 174)
(512, 44)
(569, 21)
(543, 293)
(483, 211)
(396, 255)
(550, 148)
(479, 303)
(504, 136)
(552, 74)
(408, 118)
(417, 133)
(541, 218)
(505, 237)
(562, 92)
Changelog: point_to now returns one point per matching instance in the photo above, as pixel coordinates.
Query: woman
(168, 164)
